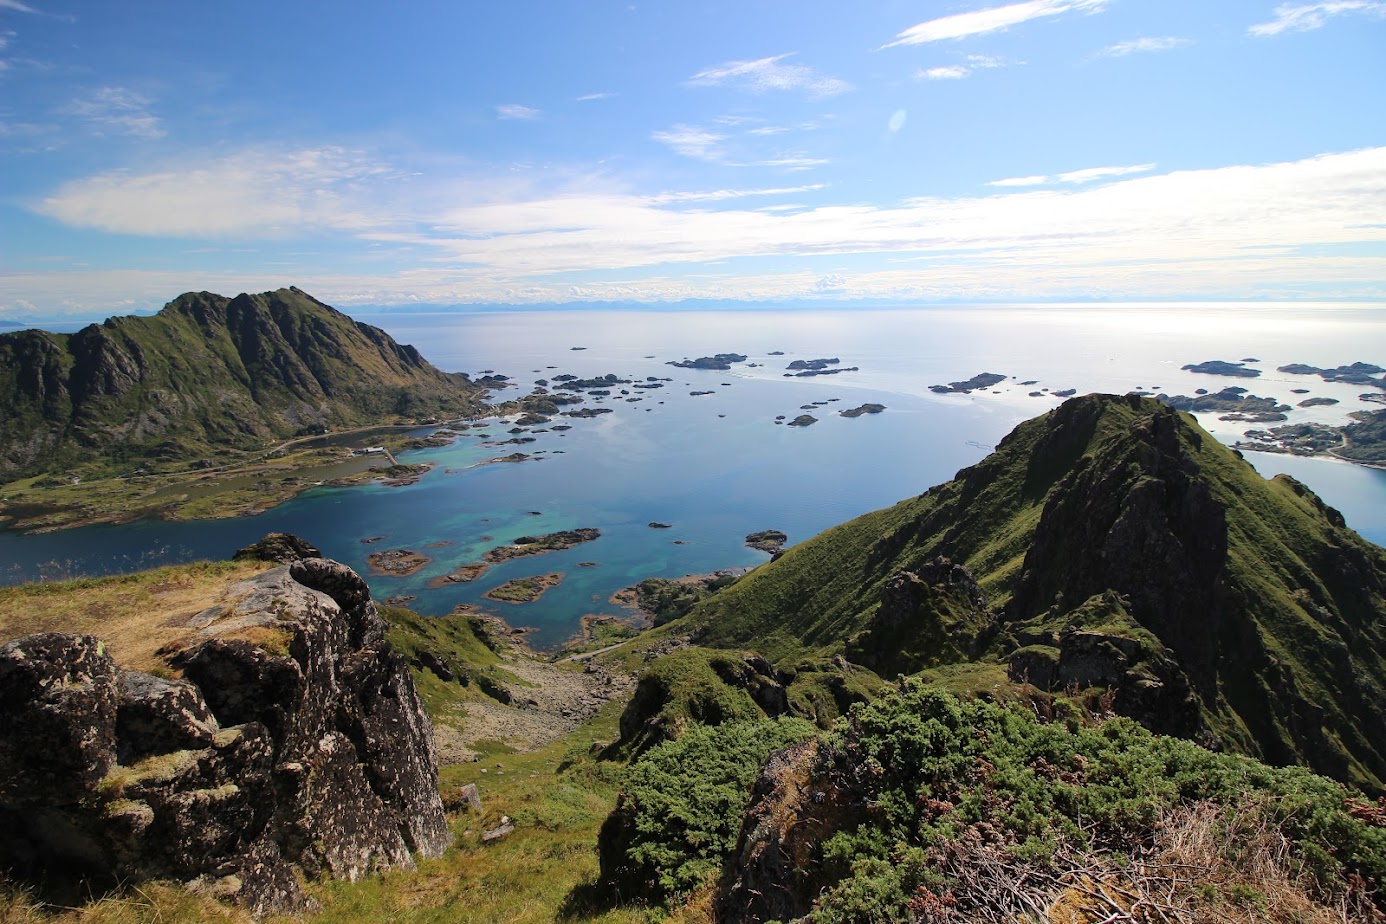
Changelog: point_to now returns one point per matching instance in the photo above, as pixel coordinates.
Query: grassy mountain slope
(1111, 536)
(919, 806)
(206, 373)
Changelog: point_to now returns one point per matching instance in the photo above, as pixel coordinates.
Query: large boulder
(294, 745)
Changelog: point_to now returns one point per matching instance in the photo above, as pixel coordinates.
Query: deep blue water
(717, 466)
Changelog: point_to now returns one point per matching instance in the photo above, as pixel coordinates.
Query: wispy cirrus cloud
(959, 71)
(692, 141)
(1304, 17)
(735, 150)
(992, 19)
(766, 74)
(1145, 44)
(592, 97)
(1074, 177)
(789, 161)
(516, 112)
(117, 110)
(16, 6)
(723, 195)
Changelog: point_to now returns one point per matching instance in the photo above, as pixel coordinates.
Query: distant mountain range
(208, 374)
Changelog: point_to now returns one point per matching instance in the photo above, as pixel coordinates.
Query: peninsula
(213, 407)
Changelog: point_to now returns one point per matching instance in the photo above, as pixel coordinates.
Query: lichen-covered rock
(772, 871)
(157, 716)
(294, 745)
(284, 548)
(58, 715)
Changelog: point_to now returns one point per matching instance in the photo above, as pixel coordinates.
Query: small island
(767, 540)
(397, 562)
(1233, 402)
(720, 362)
(537, 545)
(862, 409)
(523, 590)
(803, 420)
(813, 365)
(981, 380)
(601, 381)
(1356, 374)
(1222, 367)
(812, 372)
(463, 574)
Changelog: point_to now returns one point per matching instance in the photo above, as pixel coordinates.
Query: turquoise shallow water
(716, 466)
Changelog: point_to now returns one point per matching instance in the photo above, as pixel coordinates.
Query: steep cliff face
(287, 739)
(207, 372)
(1114, 544)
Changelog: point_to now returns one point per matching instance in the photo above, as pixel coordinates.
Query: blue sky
(763, 150)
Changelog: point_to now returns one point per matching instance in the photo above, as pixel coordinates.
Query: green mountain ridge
(1115, 546)
(207, 374)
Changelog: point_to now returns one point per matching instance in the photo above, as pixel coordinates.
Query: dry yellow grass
(134, 614)
(1205, 864)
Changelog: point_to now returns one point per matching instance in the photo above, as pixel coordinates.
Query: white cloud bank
(1315, 226)
(1304, 17)
(993, 19)
(256, 192)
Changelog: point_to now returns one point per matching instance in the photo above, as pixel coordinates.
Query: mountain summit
(1110, 544)
(207, 371)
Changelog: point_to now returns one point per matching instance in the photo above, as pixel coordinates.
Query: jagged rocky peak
(1114, 546)
(285, 739)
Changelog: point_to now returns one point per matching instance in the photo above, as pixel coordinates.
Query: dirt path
(555, 700)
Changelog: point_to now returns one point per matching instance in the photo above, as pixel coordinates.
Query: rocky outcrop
(936, 614)
(773, 874)
(699, 685)
(1143, 677)
(293, 744)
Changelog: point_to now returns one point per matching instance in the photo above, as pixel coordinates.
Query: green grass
(545, 870)
(460, 644)
(679, 690)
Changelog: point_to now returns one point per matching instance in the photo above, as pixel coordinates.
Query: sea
(711, 453)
